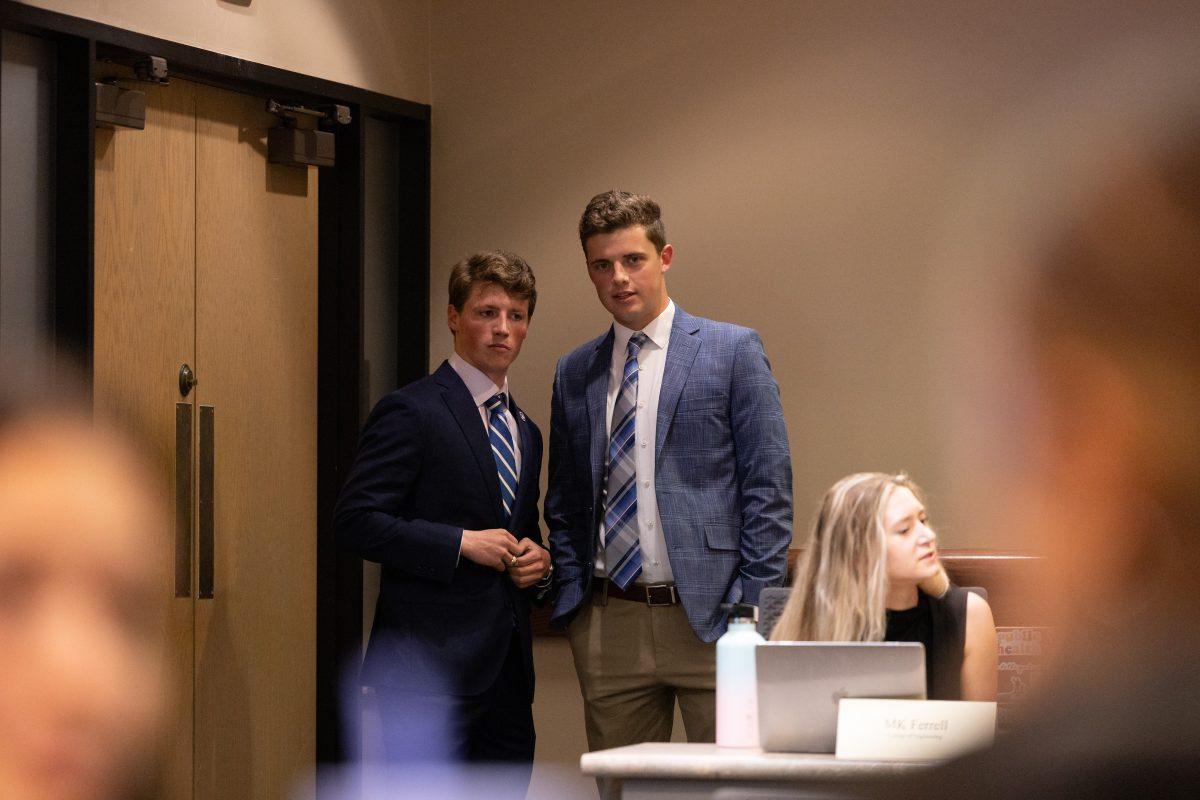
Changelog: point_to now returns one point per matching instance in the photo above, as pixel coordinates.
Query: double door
(206, 256)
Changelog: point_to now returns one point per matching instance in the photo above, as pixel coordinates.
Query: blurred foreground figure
(1113, 488)
(81, 537)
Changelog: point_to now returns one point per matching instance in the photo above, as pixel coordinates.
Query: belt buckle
(670, 592)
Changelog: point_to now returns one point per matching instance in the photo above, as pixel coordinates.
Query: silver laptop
(800, 684)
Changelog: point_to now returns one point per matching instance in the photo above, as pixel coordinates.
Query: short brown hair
(507, 270)
(613, 210)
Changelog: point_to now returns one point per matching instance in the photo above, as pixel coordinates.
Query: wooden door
(144, 332)
(256, 350)
(207, 255)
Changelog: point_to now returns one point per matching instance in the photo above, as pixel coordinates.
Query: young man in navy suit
(443, 494)
(670, 488)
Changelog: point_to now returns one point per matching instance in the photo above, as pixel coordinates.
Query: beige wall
(811, 159)
(855, 182)
(381, 45)
(806, 156)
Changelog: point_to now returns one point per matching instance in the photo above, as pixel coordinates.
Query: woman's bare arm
(979, 651)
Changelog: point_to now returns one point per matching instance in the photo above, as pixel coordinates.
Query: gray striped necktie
(503, 452)
(622, 545)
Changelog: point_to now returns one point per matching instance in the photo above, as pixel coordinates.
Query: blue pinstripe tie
(503, 451)
(622, 545)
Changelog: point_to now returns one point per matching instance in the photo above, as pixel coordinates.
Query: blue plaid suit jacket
(723, 471)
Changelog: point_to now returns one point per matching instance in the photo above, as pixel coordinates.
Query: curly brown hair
(613, 210)
(507, 270)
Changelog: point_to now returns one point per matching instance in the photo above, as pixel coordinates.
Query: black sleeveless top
(940, 625)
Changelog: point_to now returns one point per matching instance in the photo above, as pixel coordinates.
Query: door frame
(79, 43)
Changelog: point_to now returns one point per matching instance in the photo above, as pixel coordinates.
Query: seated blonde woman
(871, 572)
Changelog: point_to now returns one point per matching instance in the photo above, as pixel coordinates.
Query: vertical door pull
(183, 499)
(207, 431)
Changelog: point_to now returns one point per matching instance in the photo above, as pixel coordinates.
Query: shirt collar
(479, 385)
(657, 331)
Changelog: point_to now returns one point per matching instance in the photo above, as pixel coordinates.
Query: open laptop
(800, 684)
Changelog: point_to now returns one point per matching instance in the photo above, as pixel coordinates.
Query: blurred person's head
(1115, 314)
(82, 540)
(871, 540)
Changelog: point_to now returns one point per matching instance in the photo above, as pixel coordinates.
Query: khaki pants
(634, 661)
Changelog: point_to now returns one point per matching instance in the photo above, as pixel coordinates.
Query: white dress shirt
(652, 359)
(482, 389)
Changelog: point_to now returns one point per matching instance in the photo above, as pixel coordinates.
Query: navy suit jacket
(424, 471)
(723, 470)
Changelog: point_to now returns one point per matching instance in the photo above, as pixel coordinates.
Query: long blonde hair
(841, 581)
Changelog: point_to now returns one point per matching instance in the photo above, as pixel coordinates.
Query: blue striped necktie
(622, 544)
(504, 453)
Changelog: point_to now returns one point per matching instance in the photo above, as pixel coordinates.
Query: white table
(677, 771)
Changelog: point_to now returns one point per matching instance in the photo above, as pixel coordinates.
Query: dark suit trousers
(493, 726)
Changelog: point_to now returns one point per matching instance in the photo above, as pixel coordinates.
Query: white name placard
(901, 730)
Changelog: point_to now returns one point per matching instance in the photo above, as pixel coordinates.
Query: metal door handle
(187, 380)
(183, 499)
(207, 532)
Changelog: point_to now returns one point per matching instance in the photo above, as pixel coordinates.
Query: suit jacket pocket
(701, 405)
(722, 537)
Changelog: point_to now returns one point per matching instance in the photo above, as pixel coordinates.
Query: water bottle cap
(741, 611)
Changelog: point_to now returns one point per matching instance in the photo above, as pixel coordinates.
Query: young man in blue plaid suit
(670, 487)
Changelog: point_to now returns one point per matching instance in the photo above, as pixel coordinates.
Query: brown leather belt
(659, 594)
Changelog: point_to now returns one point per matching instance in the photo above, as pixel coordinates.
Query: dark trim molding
(202, 65)
(339, 378)
(412, 345)
(74, 213)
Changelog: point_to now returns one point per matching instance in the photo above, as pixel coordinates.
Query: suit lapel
(597, 404)
(681, 352)
(462, 407)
